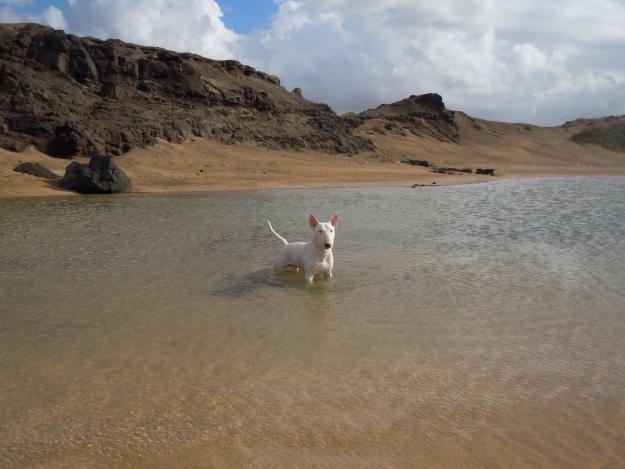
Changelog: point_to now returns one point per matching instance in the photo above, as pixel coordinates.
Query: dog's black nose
(328, 246)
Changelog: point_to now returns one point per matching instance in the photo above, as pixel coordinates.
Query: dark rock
(486, 171)
(297, 92)
(55, 60)
(249, 95)
(52, 41)
(451, 170)
(274, 79)
(424, 115)
(263, 103)
(32, 124)
(70, 140)
(147, 86)
(81, 65)
(104, 56)
(50, 48)
(423, 185)
(232, 66)
(100, 176)
(35, 169)
(416, 162)
(128, 66)
(153, 69)
(108, 88)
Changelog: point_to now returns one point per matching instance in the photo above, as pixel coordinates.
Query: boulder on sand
(100, 176)
(424, 163)
(35, 169)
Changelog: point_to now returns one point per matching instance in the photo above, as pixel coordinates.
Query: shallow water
(479, 325)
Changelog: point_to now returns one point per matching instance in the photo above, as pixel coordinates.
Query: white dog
(313, 257)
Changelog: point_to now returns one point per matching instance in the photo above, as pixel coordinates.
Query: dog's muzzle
(328, 246)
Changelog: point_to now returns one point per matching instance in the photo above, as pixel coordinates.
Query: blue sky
(34, 6)
(242, 16)
(532, 61)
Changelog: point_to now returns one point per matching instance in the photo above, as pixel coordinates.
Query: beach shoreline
(207, 166)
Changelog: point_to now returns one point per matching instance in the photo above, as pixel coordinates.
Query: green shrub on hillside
(611, 137)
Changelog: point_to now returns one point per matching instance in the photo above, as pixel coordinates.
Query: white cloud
(54, 17)
(536, 61)
(182, 25)
(506, 60)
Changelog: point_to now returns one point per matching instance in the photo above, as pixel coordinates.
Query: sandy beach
(205, 165)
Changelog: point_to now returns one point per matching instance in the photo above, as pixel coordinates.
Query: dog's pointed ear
(313, 221)
(334, 220)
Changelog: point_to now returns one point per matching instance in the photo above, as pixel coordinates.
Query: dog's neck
(321, 253)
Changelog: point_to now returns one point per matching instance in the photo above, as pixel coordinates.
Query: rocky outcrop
(100, 176)
(35, 169)
(412, 162)
(424, 115)
(83, 96)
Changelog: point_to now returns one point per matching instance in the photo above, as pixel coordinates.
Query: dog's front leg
(330, 266)
(308, 277)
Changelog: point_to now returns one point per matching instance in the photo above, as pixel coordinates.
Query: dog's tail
(277, 235)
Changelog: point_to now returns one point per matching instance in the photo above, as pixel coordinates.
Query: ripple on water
(468, 326)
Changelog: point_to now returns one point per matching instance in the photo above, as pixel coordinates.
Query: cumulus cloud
(182, 25)
(507, 60)
(54, 17)
(534, 61)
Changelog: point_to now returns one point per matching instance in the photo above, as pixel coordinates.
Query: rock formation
(424, 115)
(100, 176)
(83, 96)
(35, 169)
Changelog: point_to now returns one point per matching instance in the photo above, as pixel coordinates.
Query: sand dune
(513, 149)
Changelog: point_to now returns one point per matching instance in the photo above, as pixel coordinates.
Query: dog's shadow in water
(247, 283)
